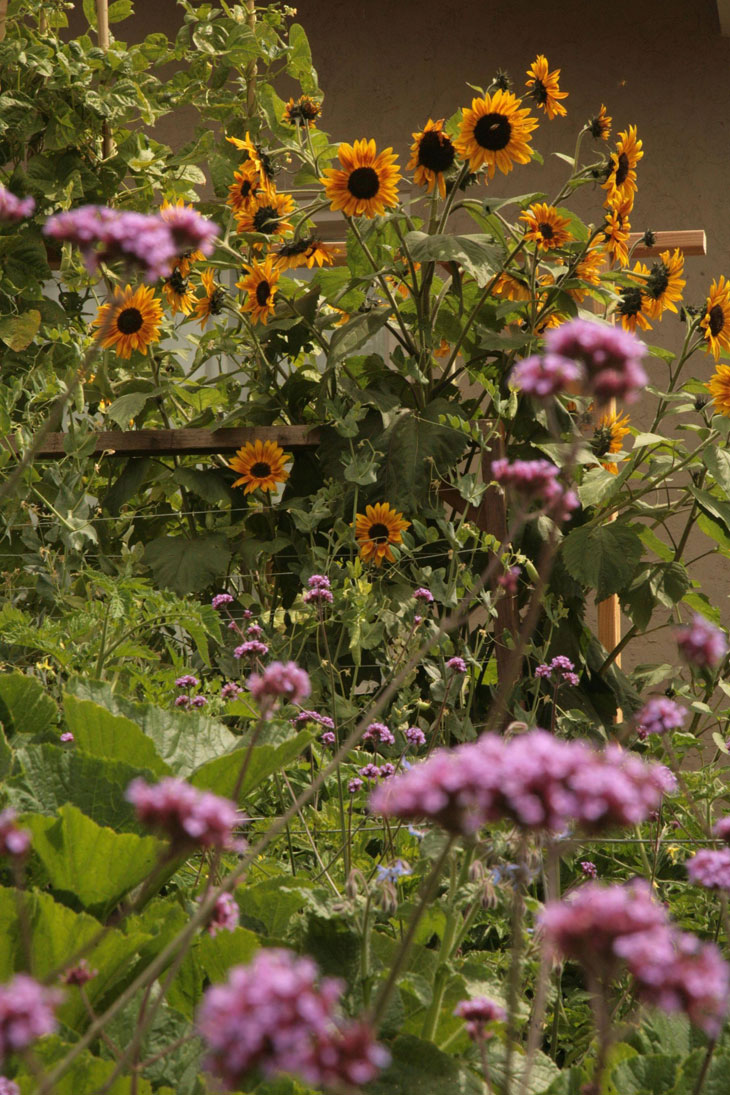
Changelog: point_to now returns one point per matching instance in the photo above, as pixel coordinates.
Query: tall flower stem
(515, 971)
(456, 886)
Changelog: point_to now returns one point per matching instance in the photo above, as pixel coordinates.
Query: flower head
(260, 283)
(130, 321)
(537, 481)
(495, 132)
(225, 915)
(302, 111)
(659, 716)
(543, 376)
(423, 594)
(252, 648)
(415, 736)
(379, 732)
(701, 643)
(279, 681)
(230, 690)
(378, 528)
(710, 868)
(610, 356)
(432, 155)
(221, 599)
(543, 87)
(545, 227)
(79, 974)
(621, 182)
(187, 815)
(14, 842)
(716, 320)
(478, 1013)
(211, 302)
(599, 126)
(13, 208)
(260, 464)
(456, 665)
(187, 681)
(367, 182)
(266, 215)
(26, 1013)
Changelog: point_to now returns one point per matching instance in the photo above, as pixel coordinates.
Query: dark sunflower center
(602, 438)
(597, 127)
(295, 247)
(215, 301)
(435, 151)
(493, 132)
(178, 283)
(261, 470)
(263, 292)
(129, 321)
(717, 320)
(622, 169)
(363, 182)
(630, 302)
(539, 92)
(658, 280)
(246, 188)
(266, 219)
(379, 533)
(546, 230)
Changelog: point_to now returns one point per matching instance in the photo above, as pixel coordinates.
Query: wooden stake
(102, 31)
(3, 17)
(251, 67)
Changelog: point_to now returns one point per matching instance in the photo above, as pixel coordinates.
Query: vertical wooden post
(3, 17)
(102, 32)
(251, 67)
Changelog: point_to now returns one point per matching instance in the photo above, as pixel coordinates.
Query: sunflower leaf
(477, 253)
(603, 557)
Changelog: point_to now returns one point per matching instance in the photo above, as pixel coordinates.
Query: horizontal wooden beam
(690, 241)
(177, 442)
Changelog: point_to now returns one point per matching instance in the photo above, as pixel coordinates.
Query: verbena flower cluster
(185, 814)
(280, 680)
(14, 842)
(659, 716)
(710, 868)
(13, 208)
(602, 927)
(477, 1013)
(225, 915)
(537, 481)
(535, 780)
(276, 1015)
(701, 643)
(318, 591)
(149, 242)
(559, 665)
(609, 356)
(26, 1013)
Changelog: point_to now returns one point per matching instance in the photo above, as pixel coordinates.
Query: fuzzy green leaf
(602, 557)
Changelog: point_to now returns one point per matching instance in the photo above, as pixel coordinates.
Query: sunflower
(267, 215)
(616, 232)
(588, 269)
(719, 388)
(599, 126)
(184, 260)
(664, 284)
(495, 132)
(304, 110)
(260, 159)
(608, 437)
(211, 304)
(368, 182)
(545, 227)
(621, 181)
(716, 320)
(304, 252)
(260, 284)
(432, 154)
(511, 288)
(178, 292)
(631, 303)
(543, 87)
(244, 188)
(261, 464)
(130, 321)
(378, 528)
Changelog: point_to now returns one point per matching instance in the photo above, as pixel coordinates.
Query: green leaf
(52, 776)
(598, 485)
(25, 706)
(86, 1073)
(477, 254)
(354, 333)
(217, 955)
(6, 756)
(419, 1067)
(127, 407)
(183, 739)
(420, 449)
(713, 506)
(220, 775)
(212, 486)
(127, 484)
(188, 566)
(98, 732)
(650, 1073)
(675, 582)
(603, 557)
(715, 531)
(18, 332)
(272, 904)
(90, 862)
(717, 461)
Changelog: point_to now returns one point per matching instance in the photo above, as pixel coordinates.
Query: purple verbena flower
(423, 594)
(14, 842)
(26, 1013)
(710, 868)
(415, 736)
(456, 665)
(354, 785)
(8, 1087)
(320, 594)
(313, 716)
(369, 771)
(279, 681)
(588, 868)
(562, 663)
(254, 631)
(610, 356)
(187, 681)
(182, 701)
(105, 235)
(537, 481)
(251, 649)
(225, 915)
(67, 737)
(13, 208)
(378, 731)
(543, 672)
(221, 599)
(276, 1015)
(230, 690)
(701, 643)
(198, 701)
(188, 229)
(509, 580)
(545, 376)
(572, 679)
(386, 770)
(659, 716)
(79, 974)
(418, 620)
(318, 581)
(187, 815)
(721, 829)
(328, 738)
(477, 1013)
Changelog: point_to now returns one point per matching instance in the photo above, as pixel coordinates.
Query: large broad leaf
(603, 557)
(221, 775)
(217, 955)
(188, 566)
(90, 862)
(717, 461)
(271, 904)
(649, 1074)
(102, 734)
(25, 706)
(418, 1067)
(86, 1073)
(53, 775)
(419, 449)
(476, 254)
(355, 333)
(18, 332)
(57, 933)
(183, 739)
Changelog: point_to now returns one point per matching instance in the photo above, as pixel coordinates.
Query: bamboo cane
(102, 31)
